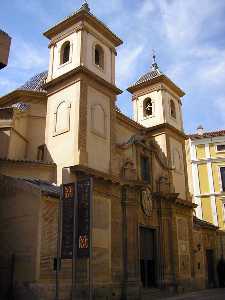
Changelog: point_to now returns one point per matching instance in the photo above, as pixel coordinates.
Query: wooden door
(147, 257)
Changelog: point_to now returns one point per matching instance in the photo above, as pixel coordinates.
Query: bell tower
(81, 91)
(157, 106)
(156, 99)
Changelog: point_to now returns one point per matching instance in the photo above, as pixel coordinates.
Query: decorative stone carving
(128, 170)
(147, 202)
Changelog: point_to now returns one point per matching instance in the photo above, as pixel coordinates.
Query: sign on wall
(84, 189)
(68, 208)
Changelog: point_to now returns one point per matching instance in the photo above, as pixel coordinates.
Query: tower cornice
(83, 16)
(159, 79)
(86, 71)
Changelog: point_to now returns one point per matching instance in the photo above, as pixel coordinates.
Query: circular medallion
(146, 202)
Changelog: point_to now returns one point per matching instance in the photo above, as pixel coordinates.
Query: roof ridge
(213, 133)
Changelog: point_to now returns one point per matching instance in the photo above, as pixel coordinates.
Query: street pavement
(212, 294)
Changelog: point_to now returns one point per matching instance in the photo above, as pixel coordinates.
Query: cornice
(147, 90)
(84, 170)
(82, 27)
(165, 126)
(14, 96)
(86, 71)
(64, 34)
(128, 121)
(27, 162)
(82, 16)
(208, 160)
(159, 79)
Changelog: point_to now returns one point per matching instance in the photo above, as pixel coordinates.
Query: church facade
(63, 126)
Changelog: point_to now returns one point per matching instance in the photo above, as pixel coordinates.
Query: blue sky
(187, 35)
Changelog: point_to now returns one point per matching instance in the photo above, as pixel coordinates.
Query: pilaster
(131, 282)
(82, 141)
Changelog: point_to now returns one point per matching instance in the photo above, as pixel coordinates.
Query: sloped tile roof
(85, 8)
(203, 223)
(148, 76)
(38, 162)
(35, 83)
(4, 33)
(46, 187)
(206, 135)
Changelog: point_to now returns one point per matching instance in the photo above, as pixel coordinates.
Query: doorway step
(155, 294)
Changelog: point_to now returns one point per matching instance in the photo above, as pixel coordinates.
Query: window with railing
(220, 147)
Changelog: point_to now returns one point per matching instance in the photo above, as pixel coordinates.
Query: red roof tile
(206, 135)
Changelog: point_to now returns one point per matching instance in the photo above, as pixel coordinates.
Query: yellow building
(206, 169)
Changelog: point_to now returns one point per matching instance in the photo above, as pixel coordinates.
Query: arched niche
(177, 160)
(62, 118)
(98, 120)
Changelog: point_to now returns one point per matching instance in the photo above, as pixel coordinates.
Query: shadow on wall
(19, 204)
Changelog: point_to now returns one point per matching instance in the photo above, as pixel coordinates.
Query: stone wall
(19, 207)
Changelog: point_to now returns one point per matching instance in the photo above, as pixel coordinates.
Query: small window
(65, 53)
(222, 174)
(173, 109)
(220, 148)
(148, 107)
(99, 56)
(41, 152)
(145, 168)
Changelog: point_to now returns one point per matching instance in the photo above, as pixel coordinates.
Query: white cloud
(214, 72)
(185, 21)
(146, 9)
(25, 56)
(127, 63)
(7, 84)
(219, 105)
(35, 9)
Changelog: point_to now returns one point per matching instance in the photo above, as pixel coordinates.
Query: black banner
(68, 202)
(83, 223)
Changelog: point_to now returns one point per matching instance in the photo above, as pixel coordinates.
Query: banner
(84, 190)
(68, 208)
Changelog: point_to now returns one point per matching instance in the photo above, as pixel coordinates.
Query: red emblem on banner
(83, 242)
(68, 191)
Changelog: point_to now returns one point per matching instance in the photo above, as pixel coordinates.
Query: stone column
(131, 282)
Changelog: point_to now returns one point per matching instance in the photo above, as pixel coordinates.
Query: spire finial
(154, 63)
(85, 6)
